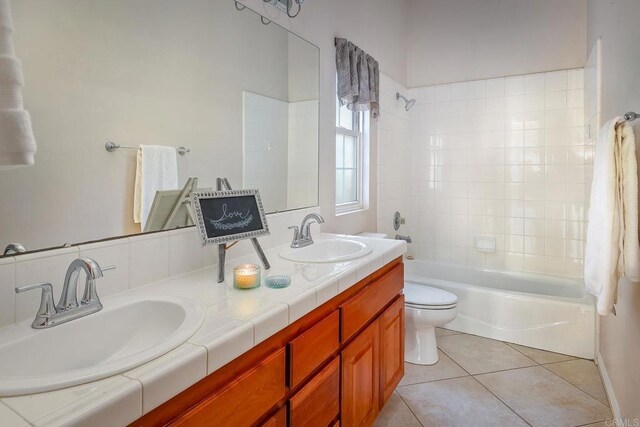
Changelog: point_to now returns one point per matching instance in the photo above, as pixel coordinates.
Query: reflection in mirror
(242, 96)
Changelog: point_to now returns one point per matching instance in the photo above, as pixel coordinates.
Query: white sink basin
(331, 250)
(127, 333)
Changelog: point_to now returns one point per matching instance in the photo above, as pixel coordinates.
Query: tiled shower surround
(505, 158)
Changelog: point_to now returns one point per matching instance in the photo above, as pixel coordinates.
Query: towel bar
(112, 146)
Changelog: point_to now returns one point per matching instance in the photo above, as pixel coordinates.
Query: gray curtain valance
(358, 78)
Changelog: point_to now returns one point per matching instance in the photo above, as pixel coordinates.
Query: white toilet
(425, 308)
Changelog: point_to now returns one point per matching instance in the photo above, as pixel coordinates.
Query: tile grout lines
(410, 410)
(543, 365)
(535, 364)
(483, 386)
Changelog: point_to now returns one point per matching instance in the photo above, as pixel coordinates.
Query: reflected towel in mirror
(156, 170)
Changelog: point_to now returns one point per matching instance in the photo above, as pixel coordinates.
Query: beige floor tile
(441, 332)
(396, 413)
(457, 402)
(582, 374)
(479, 355)
(543, 399)
(541, 356)
(444, 369)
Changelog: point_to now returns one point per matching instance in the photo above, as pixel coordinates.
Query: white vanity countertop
(236, 321)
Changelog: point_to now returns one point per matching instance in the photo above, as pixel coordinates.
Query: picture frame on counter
(229, 215)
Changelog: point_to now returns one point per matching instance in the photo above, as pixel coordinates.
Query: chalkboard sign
(225, 216)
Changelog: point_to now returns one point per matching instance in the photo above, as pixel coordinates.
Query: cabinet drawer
(313, 347)
(361, 309)
(279, 419)
(244, 401)
(318, 402)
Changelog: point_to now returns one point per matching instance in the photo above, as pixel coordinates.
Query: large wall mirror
(207, 75)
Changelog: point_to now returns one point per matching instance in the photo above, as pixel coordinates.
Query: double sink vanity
(328, 349)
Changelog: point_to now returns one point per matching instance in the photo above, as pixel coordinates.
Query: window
(351, 150)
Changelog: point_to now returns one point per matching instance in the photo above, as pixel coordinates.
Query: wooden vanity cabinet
(336, 366)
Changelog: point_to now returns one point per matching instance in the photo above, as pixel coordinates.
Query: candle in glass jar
(246, 276)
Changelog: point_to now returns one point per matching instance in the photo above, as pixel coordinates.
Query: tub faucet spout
(405, 238)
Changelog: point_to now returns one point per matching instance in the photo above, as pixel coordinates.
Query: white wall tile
(112, 252)
(7, 293)
(514, 85)
(556, 80)
(185, 253)
(534, 83)
(149, 258)
(502, 157)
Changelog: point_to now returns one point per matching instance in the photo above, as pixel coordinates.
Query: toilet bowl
(425, 308)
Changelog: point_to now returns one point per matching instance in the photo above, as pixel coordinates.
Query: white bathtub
(549, 313)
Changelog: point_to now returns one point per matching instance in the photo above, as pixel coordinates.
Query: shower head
(408, 102)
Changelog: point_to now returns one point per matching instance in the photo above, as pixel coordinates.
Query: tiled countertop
(235, 322)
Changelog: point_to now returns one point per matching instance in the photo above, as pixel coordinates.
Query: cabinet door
(361, 379)
(318, 402)
(391, 348)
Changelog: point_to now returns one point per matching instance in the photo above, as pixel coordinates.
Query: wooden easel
(221, 185)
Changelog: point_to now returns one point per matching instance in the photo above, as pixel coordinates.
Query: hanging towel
(612, 247)
(6, 28)
(17, 143)
(10, 83)
(156, 170)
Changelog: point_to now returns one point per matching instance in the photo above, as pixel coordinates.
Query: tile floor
(483, 382)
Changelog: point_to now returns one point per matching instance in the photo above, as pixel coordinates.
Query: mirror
(241, 96)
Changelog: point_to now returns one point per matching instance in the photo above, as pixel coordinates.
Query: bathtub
(550, 313)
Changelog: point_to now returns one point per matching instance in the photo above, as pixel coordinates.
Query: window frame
(359, 132)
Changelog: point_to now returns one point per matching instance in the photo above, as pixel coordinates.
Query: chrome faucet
(405, 238)
(302, 236)
(68, 308)
(14, 248)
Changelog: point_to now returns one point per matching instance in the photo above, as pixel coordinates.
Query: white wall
(302, 176)
(462, 40)
(503, 158)
(378, 27)
(266, 149)
(616, 21)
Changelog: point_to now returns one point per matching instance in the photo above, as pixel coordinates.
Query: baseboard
(608, 387)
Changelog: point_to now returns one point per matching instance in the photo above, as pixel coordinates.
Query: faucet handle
(47, 306)
(296, 231)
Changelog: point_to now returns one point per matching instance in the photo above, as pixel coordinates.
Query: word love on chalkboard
(225, 216)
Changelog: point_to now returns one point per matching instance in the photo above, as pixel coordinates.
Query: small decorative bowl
(277, 282)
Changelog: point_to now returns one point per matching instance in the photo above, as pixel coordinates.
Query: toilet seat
(428, 298)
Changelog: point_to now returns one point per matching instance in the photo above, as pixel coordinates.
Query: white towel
(11, 82)
(5, 15)
(6, 28)
(17, 143)
(157, 170)
(611, 250)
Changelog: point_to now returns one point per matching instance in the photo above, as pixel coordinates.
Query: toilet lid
(427, 296)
